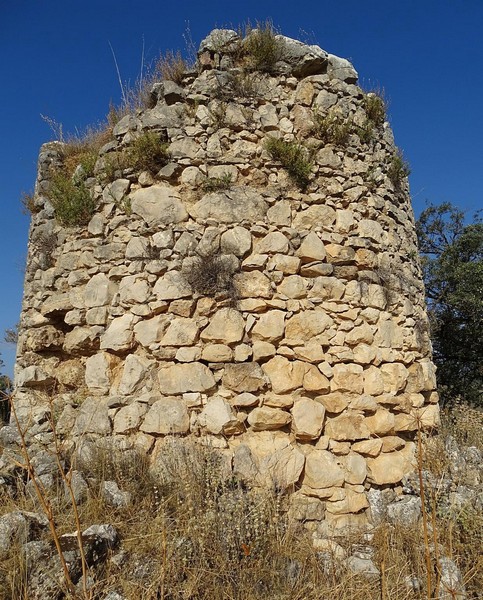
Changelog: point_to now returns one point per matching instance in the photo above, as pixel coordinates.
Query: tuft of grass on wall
(148, 152)
(262, 48)
(293, 157)
(71, 199)
(398, 169)
(333, 128)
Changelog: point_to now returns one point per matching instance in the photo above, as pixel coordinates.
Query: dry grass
(193, 531)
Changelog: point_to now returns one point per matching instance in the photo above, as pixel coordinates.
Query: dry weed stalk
(46, 504)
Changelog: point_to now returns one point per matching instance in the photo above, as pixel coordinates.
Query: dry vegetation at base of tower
(235, 266)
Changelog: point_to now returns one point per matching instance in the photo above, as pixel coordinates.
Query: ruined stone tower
(257, 289)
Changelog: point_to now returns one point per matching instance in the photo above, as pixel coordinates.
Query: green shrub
(398, 169)
(71, 199)
(294, 159)
(375, 107)
(148, 152)
(365, 131)
(333, 129)
(261, 47)
(214, 184)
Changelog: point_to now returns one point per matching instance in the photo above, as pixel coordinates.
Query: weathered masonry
(259, 291)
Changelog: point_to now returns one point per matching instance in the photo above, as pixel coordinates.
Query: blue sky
(56, 61)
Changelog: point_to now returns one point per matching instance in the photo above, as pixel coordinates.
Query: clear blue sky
(55, 60)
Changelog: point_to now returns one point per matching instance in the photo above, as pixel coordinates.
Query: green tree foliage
(452, 261)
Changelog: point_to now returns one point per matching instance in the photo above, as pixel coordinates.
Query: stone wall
(284, 326)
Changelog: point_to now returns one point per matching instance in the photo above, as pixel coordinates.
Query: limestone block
(373, 381)
(273, 243)
(227, 326)
(370, 448)
(353, 502)
(280, 214)
(360, 335)
(166, 416)
(388, 335)
(269, 327)
(218, 417)
(137, 247)
(364, 403)
(262, 351)
(307, 419)
(181, 331)
(282, 468)
(322, 471)
(355, 468)
(99, 291)
(340, 255)
(284, 375)
(171, 286)
(344, 221)
(305, 508)
(134, 290)
(327, 288)
(98, 375)
(288, 265)
(128, 418)
(391, 443)
(367, 228)
(429, 417)
(326, 157)
(56, 303)
(70, 373)
(92, 418)
(244, 377)
(293, 286)
(395, 376)
(314, 380)
(158, 205)
(347, 378)
(115, 191)
(150, 331)
(97, 316)
(318, 215)
(119, 335)
(392, 467)
(245, 399)
(364, 354)
(421, 377)
(277, 400)
(307, 325)
(134, 374)
(217, 353)
(237, 241)
(347, 426)
(381, 422)
(231, 206)
(34, 377)
(334, 402)
(374, 296)
(311, 249)
(188, 354)
(82, 340)
(266, 418)
(312, 352)
(253, 285)
(181, 378)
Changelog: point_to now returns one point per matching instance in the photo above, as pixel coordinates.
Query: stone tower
(258, 289)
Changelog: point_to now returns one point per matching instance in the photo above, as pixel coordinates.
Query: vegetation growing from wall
(293, 157)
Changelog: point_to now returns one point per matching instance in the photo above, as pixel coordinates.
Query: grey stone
(114, 496)
(231, 206)
(158, 205)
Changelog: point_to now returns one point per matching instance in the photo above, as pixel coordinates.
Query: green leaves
(452, 264)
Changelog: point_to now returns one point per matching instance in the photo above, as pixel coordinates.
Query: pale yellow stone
(380, 423)
(347, 426)
(395, 376)
(347, 378)
(390, 468)
(352, 503)
(322, 471)
(269, 327)
(217, 353)
(334, 402)
(284, 375)
(307, 419)
(370, 448)
(227, 326)
(266, 418)
(307, 325)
